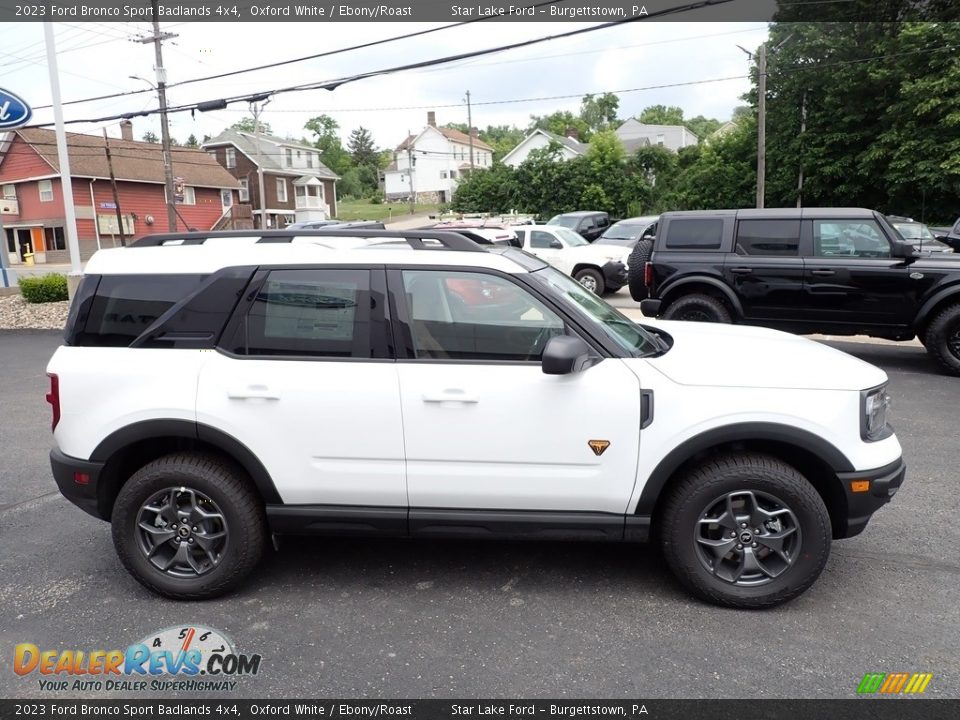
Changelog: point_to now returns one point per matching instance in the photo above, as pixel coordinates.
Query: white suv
(599, 268)
(216, 388)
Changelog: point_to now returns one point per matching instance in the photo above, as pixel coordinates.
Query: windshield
(624, 230)
(914, 231)
(570, 237)
(563, 221)
(624, 332)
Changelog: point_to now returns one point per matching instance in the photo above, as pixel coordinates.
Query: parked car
(840, 271)
(951, 238)
(209, 395)
(589, 224)
(627, 233)
(599, 268)
(918, 235)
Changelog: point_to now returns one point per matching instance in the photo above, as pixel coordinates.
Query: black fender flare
(672, 285)
(169, 428)
(762, 431)
(934, 300)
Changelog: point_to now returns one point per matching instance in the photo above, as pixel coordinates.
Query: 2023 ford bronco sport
(214, 389)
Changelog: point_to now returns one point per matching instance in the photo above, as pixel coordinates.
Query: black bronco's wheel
(697, 308)
(745, 530)
(942, 339)
(188, 526)
(636, 268)
(591, 279)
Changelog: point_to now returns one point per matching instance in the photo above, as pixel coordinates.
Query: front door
(484, 427)
(305, 382)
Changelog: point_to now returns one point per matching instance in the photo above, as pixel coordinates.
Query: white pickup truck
(599, 268)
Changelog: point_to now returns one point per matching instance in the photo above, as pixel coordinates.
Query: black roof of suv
(841, 271)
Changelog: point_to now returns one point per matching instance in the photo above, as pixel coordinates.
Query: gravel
(15, 314)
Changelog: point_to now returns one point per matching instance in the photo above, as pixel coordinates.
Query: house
(727, 128)
(569, 146)
(634, 133)
(428, 166)
(31, 198)
(296, 185)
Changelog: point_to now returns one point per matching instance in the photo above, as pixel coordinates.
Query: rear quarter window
(694, 233)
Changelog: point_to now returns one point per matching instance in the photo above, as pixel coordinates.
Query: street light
(165, 146)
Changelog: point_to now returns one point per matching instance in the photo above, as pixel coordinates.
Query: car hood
(711, 354)
(598, 254)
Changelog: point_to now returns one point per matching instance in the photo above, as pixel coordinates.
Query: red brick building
(31, 196)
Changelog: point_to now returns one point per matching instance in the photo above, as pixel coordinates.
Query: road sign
(14, 110)
(108, 206)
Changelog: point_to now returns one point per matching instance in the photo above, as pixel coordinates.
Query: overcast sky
(97, 59)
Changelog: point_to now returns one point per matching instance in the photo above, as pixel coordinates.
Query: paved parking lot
(446, 619)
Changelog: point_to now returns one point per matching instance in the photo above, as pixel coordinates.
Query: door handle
(251, 392)
(450, 395)
(823, 272)
(741, 270)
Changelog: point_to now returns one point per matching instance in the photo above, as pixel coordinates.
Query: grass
(365, 210)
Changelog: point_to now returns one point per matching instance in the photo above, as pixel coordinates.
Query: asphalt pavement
(418, 619)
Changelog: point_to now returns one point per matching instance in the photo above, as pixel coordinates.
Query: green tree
(150, 137)
(600, 112)
(327, 141)
(192, 141)
(702, 126)
(361, 147)
(248, 124)
(559, 122)
(661, 115)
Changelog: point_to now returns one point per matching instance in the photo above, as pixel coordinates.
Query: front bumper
(78, 481)
(614, 275)
(884, 483)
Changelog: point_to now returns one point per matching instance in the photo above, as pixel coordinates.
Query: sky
(99, 58)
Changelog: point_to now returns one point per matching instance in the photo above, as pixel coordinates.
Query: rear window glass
(126, 305)
(701, 233)
(769, 237)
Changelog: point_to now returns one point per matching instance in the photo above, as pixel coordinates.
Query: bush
(376, 199)
(48, 288)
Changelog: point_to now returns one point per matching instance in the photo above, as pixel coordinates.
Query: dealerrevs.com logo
(184, 658)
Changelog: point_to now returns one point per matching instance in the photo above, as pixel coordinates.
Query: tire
(942, 339)
(697, 308)
(753, 481)
(591, 279)
(636, 268)
(232, 529)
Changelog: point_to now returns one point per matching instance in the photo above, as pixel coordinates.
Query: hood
(744, 356)
(598, 254)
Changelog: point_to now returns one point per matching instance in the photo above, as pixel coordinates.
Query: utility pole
(762, 125)
(410, 164)
(66, 186)
(470, 129)
(157, 39)
(256, 109)
(116, 195)
(803, 129)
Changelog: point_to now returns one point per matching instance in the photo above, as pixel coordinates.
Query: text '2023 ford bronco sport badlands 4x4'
(216, 388)
(839, 271)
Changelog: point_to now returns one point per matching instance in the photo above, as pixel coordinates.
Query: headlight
(873, 413)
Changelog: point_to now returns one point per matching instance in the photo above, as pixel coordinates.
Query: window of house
(9, 192)
(189, 196)
(282, 189)
(768, 237)
(660, 139)
(475, 316)
(443, 174)
(54, 238)
(289, 157)
(298, 154)
(309, 159)
(318, 313)
(46, 190)
(453, 174)
(231, 157)
(244, 190)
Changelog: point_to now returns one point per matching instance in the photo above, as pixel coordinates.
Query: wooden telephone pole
(116, 195)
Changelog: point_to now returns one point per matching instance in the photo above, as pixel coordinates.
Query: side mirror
(565, 354)
(941, 238)
(556, 245)
(903, 250)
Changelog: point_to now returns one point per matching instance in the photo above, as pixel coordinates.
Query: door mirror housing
(565, 354)
(903, 250)
(556, 245)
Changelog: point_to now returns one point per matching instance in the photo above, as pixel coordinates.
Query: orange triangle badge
(598, 446)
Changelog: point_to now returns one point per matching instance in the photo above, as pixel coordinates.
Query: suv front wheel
(746, 531)
(188, 526)
(942, 338)
(697, 308)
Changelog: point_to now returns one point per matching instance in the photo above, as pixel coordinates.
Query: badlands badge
(598, 446)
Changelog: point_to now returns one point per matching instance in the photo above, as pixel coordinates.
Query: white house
(429, 165)
(633, 133)
(570, 146)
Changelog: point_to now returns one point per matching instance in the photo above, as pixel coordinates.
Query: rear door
(765, 269)
(304, 378)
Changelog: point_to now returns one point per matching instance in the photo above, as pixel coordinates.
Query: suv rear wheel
(746, 531)
(942, 338)
(188, 526)
(697, 308)
(637, 267)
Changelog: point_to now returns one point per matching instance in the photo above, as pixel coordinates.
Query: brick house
(31, 197)
(297, 185)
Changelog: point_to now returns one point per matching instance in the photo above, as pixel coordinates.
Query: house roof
(271, 152)
(451, 135)
(132, 160)
(575, 145)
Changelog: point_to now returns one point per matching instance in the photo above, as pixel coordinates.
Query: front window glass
(570, 238)
(563, 221)
(629, 336)
(849, 238)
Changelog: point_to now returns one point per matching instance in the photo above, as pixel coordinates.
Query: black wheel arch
(945, 296)
(815, 458)
(126, 450)
(673, 290)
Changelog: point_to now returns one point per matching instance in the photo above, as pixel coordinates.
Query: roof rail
(448, 239)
